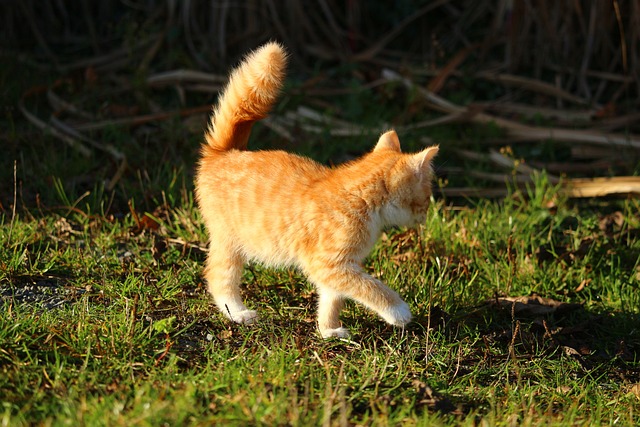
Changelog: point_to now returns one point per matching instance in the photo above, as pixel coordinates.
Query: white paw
(246, 317)
(397, 315)
(337, 333)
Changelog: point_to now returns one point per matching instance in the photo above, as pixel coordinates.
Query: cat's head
(408, 183)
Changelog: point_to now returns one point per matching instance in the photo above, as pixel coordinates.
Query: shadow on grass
(605, 345)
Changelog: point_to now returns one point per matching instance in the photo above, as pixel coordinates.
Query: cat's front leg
(352, 282)
(397, 315)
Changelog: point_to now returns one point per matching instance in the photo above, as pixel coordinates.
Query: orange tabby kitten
(285, 210)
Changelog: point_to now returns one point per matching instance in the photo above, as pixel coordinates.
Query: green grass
(122, 331)
(104, 319)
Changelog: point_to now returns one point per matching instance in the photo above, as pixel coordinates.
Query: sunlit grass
(134, 338)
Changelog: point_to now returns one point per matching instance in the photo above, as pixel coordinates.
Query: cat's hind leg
(223, 273)
(329, 306)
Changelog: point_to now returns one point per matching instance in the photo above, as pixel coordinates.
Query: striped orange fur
(281, 209)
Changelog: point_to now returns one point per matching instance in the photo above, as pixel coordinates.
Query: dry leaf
(147, 222)
(570, 351)
(611, 222)
(634, 389)
(62, 227)
(227, 333)
(564, 389)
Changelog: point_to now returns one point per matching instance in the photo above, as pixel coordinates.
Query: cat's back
(262, 168)
(252, 189)
(269, 202)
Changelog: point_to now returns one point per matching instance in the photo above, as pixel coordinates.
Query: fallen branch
(489, 176)
(510, 108)
(40, 124)
(514, 129)
(598, 187)
(68, 130)
(501, 160)
(185, 76)
(60, 105)
(531, 85)
(69, 135)
(142, 119)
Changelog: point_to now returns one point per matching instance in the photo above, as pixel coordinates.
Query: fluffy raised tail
(252, 89)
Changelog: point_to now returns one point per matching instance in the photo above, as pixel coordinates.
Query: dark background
(98, 56)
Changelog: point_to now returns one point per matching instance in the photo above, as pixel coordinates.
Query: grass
(118, 328)
(105, 319)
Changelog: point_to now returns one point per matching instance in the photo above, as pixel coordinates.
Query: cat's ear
(422, 160)
(388, 141)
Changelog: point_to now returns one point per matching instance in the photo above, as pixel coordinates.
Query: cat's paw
(246, 317)
(397, 315)
(335, 333)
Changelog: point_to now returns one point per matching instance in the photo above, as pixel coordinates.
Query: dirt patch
(43, 292)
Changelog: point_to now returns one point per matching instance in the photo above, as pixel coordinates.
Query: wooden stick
(518, 130)
(598, 187)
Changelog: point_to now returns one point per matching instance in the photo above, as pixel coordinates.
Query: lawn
(526, 300)
(106, 321)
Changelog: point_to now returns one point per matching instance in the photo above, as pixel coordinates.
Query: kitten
(285, 210)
